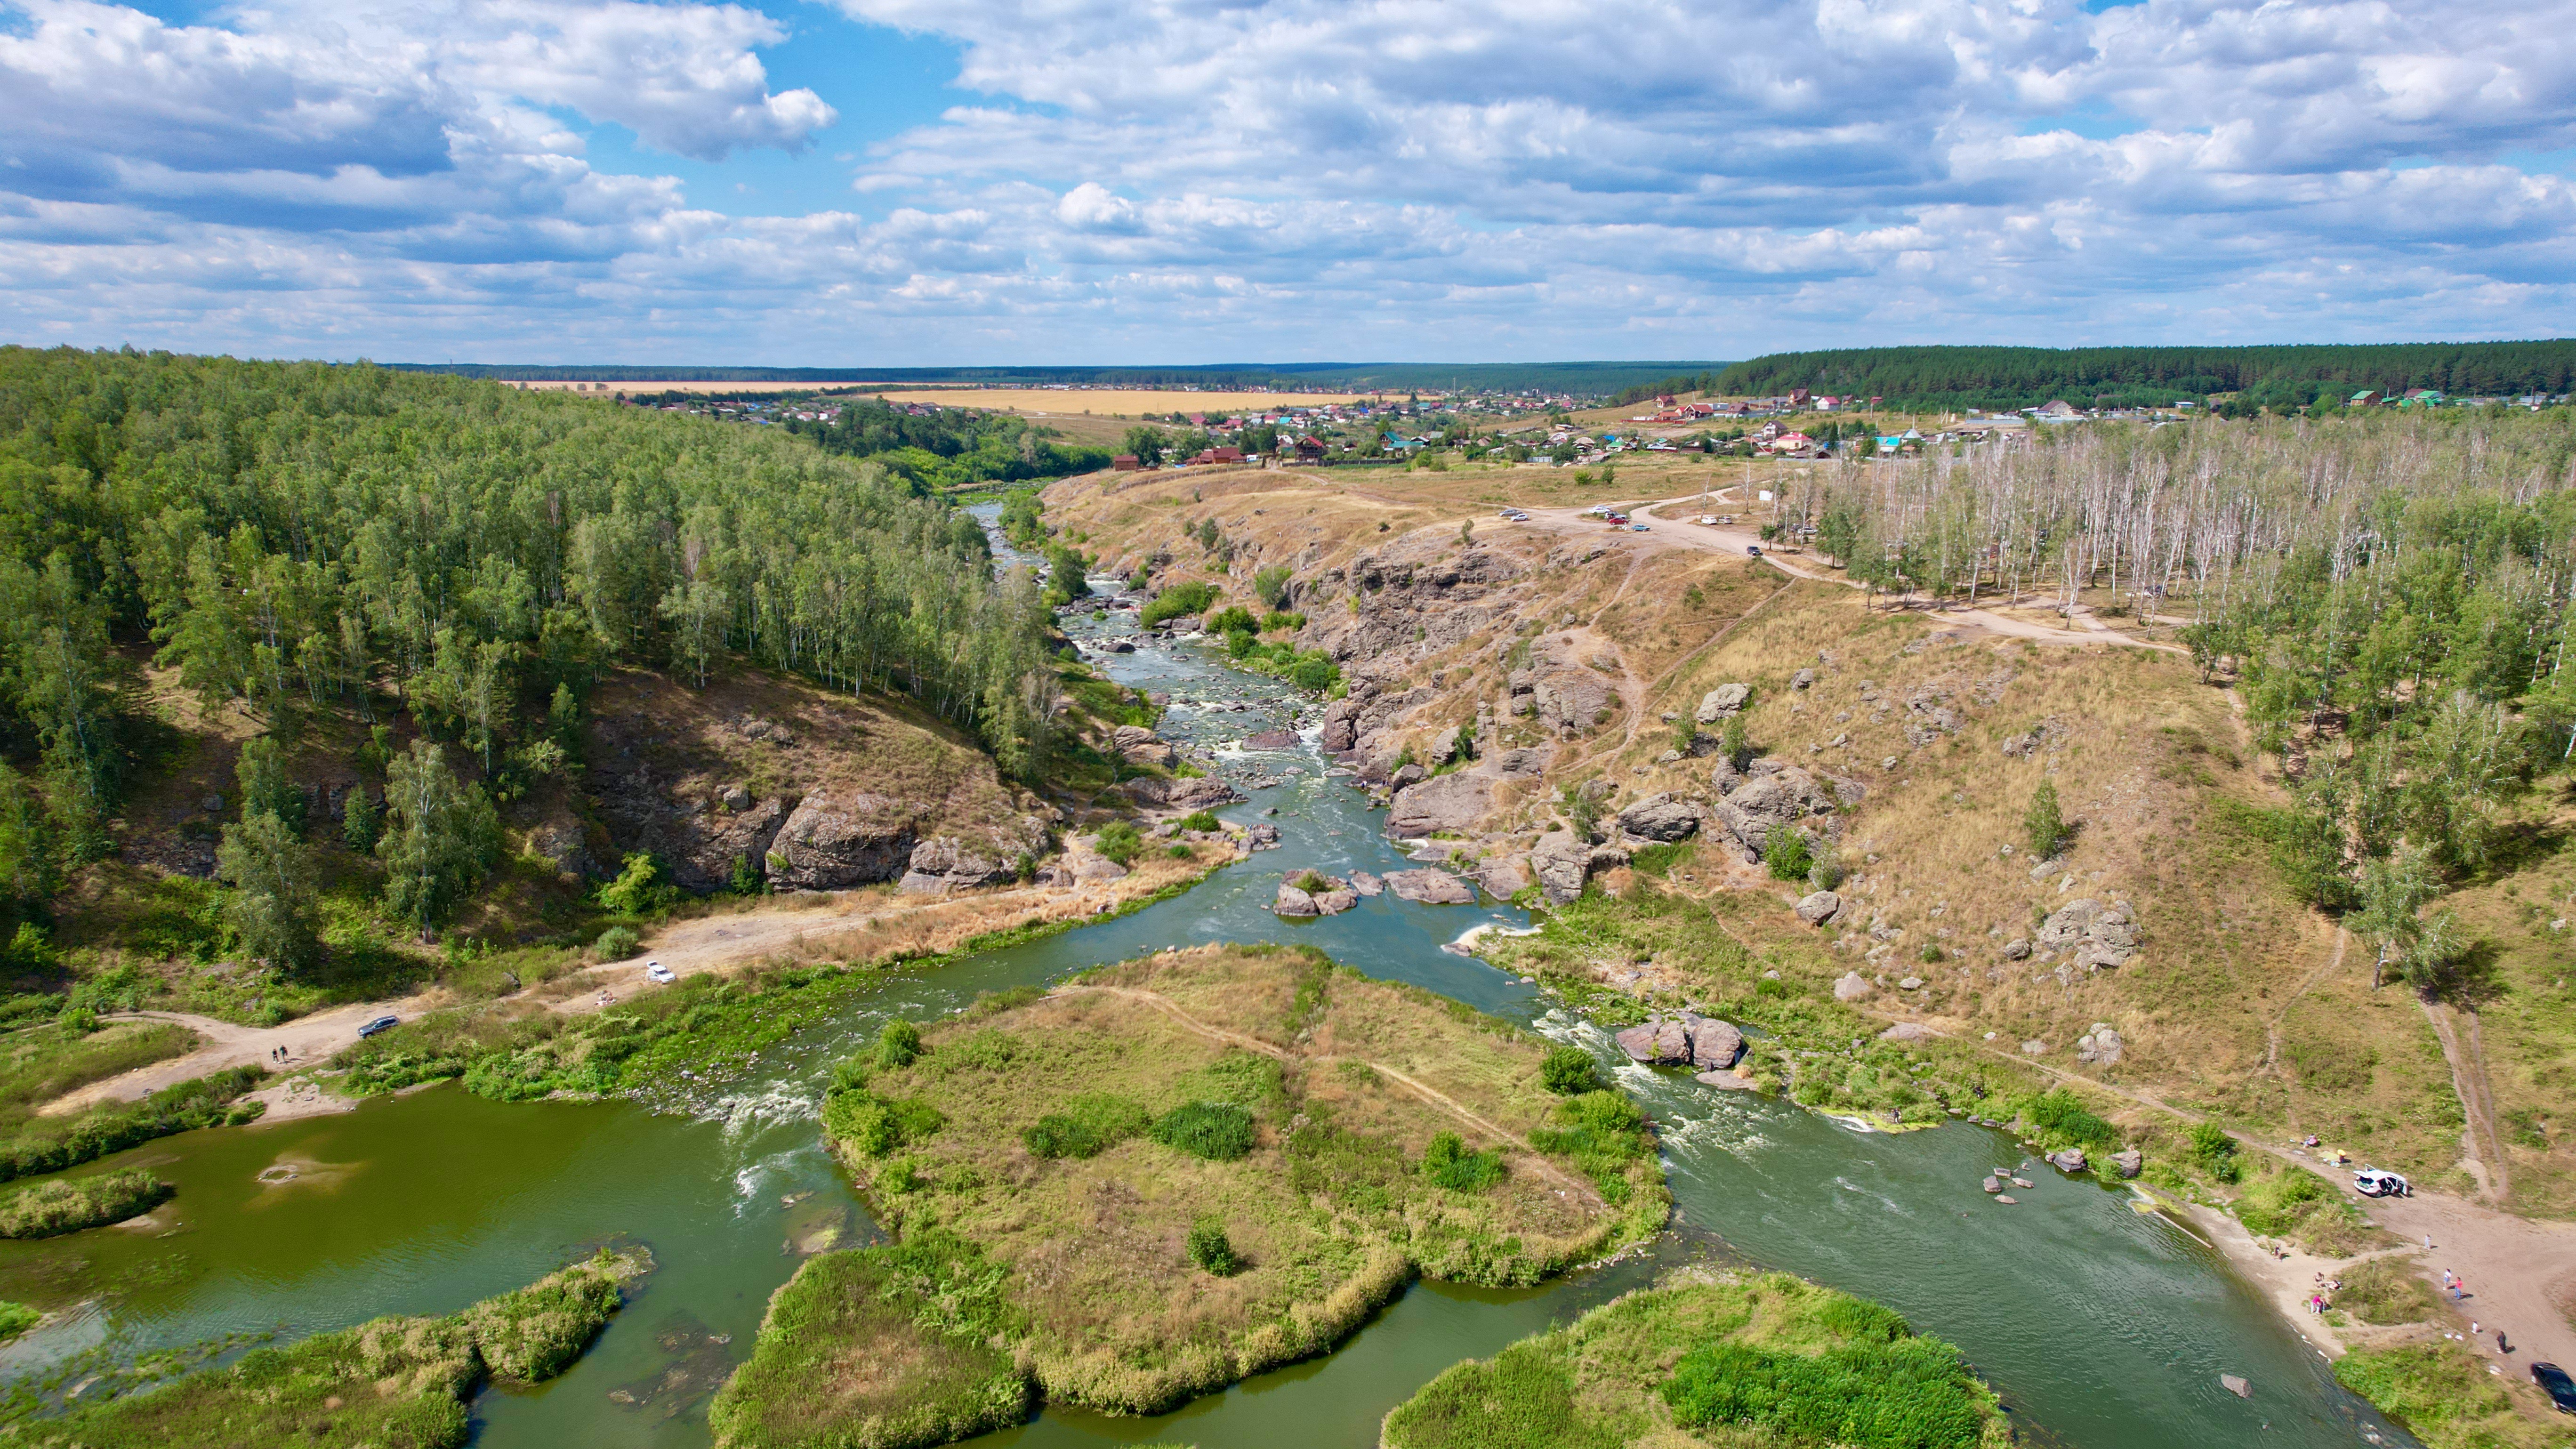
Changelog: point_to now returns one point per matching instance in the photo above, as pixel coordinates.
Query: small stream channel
(2104, 1326)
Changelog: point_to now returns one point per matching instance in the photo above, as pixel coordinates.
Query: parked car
(2554, 1382)
(1706, 519)
(1639, 528)
(382, 1023)
(1754, 549)
(2371, 1182)
(659, 972)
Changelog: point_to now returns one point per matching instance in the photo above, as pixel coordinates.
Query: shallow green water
(2103, 1327)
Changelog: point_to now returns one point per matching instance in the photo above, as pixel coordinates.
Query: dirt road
(851, 925)
(1738, 542)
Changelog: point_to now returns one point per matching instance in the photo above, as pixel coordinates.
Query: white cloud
(1228, 178)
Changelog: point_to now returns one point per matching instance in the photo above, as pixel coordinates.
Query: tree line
(304, 537)
(951, 448)
(2392, 596)
(2024, 376)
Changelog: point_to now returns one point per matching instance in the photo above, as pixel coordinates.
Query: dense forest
(952, 448)
(302, 537)
(2393, 593)
(2279, 377)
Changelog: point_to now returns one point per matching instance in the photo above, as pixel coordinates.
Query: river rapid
(2103, 1325)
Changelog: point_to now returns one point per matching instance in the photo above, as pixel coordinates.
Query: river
(2103, 1325)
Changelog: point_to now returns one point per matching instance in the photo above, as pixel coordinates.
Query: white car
(659, 972)
(2371, 1182)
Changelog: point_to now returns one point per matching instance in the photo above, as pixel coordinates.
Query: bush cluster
(1448, 1163)
(45, 1209)
(1216, 1131)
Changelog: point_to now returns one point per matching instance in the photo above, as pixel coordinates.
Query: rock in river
(1365, 883)
(1430, 887)
(1293, 902)
(1689, 1039)
(1271, 740)
(2069, 1159)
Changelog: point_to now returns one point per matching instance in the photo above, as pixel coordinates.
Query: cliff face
(815, 789)
(1487, 663)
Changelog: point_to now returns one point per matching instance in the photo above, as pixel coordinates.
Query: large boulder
(2068, 1159)
(837, 839)
(1453, 802)
(2096, 934)
(1430, 887)
(1365, 883)
(1271, 740)
(1819, 907)
(1689, 1040)
(1337, 900)
(1852, 987)
(1767, 799)
(2128, 1162)
(1293, 902)
(1660, 817)
(1560, 860)
(1198, 792)
(1503, 877)
(945, 863)
(1722, 701)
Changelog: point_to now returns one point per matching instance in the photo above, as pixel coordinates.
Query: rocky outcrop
(1198, 792)
(1140, 746)
(2101, 1046)
(1560, 860)
(1660, 818)
(1819, 907)
(1852, 987)
(1906, 1031)
(1271, 740)
(1772, 795)
(1293, 902)
(2069, 1159)
(1430, 887)
(1702, 1043)
(1337, 900)
(2128, 1162)
(944, 863)
(836, 839)
(1365, 883)
(1722, 701)
(1454, 802)
(2097, 935)
(1503, 877)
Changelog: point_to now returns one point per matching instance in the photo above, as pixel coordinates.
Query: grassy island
(391, 1382)
(1740, 1361)
(1167, 1175)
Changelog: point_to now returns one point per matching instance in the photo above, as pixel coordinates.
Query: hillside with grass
(1165, 1176)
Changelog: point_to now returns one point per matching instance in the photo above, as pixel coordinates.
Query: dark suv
(382, 1023)
(2554, 1382)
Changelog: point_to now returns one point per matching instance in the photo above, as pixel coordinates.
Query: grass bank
(1170, 1174)
(392, 1382)
(46, 1209)
(1741, 1361)
(2443, 1395)
(50, 1144)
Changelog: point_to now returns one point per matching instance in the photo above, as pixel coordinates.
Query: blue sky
(901, 182)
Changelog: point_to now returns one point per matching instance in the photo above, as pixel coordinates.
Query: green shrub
(17, 1318)
(2216, 1151)
(616, 943)
(641, 888)
(1283, 620)
(1216, 1131)
(1448, 1163)
(875, 1126)
(1176, 601)
(1181, 851)
(46, 1209)
(1570, 1071)
(1232, 619)
(1604, 1132)
(1090, 1125)
(1784, 850)
(1199, 820)
(1907, 1394)
(2058, 1119)
(1210, 1249)
(1118, 841)
(1271, 583)
(2042, 824)
(898, 1044)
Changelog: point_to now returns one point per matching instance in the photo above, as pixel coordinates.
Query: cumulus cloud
(1187, 177)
